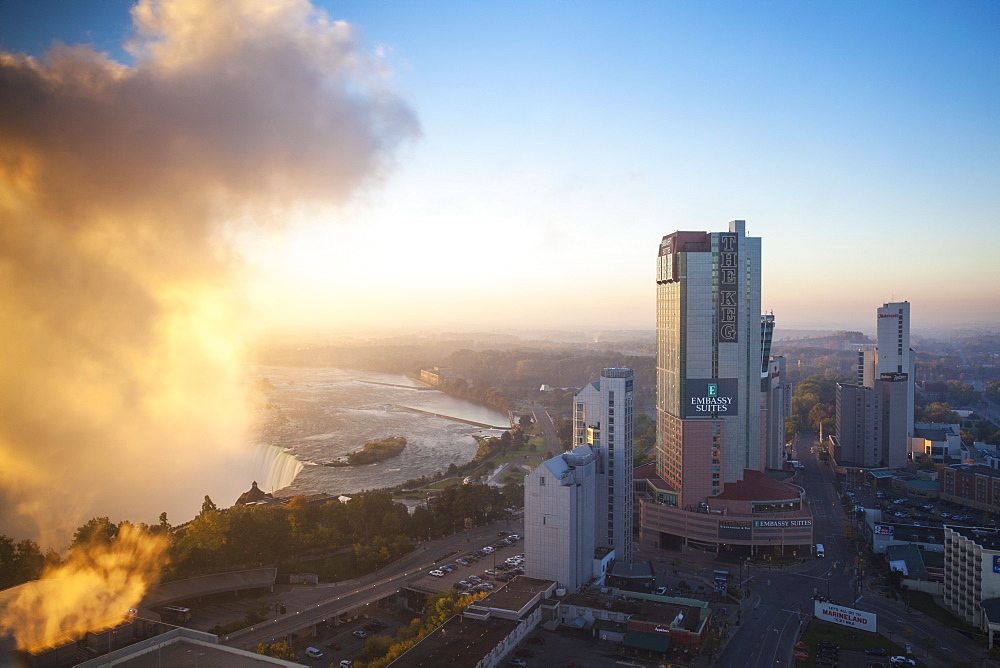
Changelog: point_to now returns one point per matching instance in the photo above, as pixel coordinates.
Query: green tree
(208, 505)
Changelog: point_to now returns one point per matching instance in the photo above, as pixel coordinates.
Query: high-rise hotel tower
(708, 359)
(712, 437)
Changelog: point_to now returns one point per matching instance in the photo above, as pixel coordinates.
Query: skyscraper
(875, 416)
(893, 354)
(713, 440)
(602, 418)
(708, 360)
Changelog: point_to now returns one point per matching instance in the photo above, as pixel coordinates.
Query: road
(780, 602)
(311, 605)
(542, 418)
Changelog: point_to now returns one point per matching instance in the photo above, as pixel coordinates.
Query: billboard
(711, 397)
(883, 530)
(996, 563)
(838, 614)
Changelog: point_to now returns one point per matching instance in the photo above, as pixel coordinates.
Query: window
(541, 481)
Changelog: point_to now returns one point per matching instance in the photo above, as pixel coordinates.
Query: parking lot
(898, 507)
(480, 569)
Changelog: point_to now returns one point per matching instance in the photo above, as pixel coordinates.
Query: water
(329, 413)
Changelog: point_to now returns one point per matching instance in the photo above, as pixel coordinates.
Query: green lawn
(924, 602)
(849, 640)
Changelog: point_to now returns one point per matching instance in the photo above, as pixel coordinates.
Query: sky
(557, 143)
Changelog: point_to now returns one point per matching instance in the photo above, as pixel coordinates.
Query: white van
(819, 550)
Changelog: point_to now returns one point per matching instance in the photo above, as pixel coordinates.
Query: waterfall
(275, 467)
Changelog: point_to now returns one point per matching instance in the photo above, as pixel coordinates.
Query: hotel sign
(996, 563)
(837, 614)
(711, 397)
(726, 308)
(735, 530)
(781, 524)
(884, 530)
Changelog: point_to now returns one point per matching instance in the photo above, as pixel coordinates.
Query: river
(323, 414)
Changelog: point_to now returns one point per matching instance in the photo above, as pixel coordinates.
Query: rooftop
(657, 609)
(988, 539)
(757, 486)
(516, 594)
(457, 642)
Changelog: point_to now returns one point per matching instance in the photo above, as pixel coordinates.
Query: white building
(894, 355)
(971, 571)
(941, 442)
(602, 418)
(560, 498)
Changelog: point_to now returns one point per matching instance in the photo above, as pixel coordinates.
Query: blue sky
(560, 140)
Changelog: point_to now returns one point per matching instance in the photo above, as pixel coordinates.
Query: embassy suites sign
(711, 397)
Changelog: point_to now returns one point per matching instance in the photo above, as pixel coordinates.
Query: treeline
(482, 394)
(519, 373)
(371, 526)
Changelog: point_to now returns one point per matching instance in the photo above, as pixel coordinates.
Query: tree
(97, 530)
(278, 650)
(208, 505)
(925, 463)
(524, 422)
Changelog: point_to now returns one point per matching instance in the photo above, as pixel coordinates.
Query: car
(360, 634)
(462, 561)
(489, 571)
(437, 573)
(503, 533)
(827, 643)
(517, 662)
(901, 661)
(876, 651)
(826, 661)
(660, 591)
(313, 653)
(346, 663)
(487, 550)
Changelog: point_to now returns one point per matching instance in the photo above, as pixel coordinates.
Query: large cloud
(121, 190)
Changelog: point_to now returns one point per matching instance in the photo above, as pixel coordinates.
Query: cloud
(122, 188)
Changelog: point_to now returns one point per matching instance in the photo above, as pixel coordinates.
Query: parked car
(346, 663)
(827, 643)
(360, 634)
(437, 573)
(313, 653)
(876, 651)
(901, 661)
(660, 591)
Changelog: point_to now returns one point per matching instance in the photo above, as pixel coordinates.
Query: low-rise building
(973, 486)
(941, 442)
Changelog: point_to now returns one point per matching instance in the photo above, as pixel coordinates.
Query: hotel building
(715, 437)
